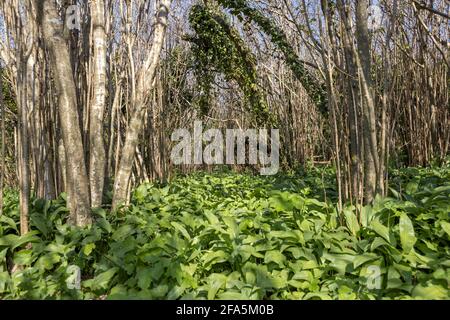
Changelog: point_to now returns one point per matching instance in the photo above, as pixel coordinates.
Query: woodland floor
(237, 236)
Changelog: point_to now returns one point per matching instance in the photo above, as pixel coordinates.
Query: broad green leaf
(430, 291)
(275, 256)
(366, 215)
(411, 187)
(10, 222)
(181, 229)
(176, 292)
(407, 237)
(214, 257)
(123, 232)
(246, 251)
(211, 217)
(4, 280)
(317, 296)
(233, 228)
(446, 226)
(160, 291)
(380, 229)
(23, 257)
(216, 281)
(3, 255)
(363, 258)
(229, 295)
(377, 242)
(13, 241)
(102, 280)
(346, 293)
(48, 261)
(351, 220)
(144, 277)
(40, 222)
(310, 264)
(119, 292)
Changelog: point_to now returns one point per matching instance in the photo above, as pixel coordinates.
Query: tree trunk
(78, 193)
(2, 148)
(143, 86)
(369, 121)
(97, 108)
(23, 150)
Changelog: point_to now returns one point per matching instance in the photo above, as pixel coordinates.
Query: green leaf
(429, 291)
(144, 276)
(246, 251)
(13, 241)
(351, 220)
(40, 222)
(4, 280)
(411, 187)
(47, 261)
(316, 296)
(378, 242)
(346, 293)
(10, 222)
(160, 291)
(119, 292)
(446, 226)
(211, 217)
(181, 229)
(104, 224)
(123, 232)
(363, 258)
(275, 256)
(229, 295)
(102, 280)
(366, 215)
(213, 257)
(395, 193)
(23, 257)
(216, 281)
(380, 229)
(87, 249)
(3, 255)
(407, 237)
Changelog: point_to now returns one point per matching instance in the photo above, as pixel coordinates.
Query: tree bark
(363, 58)
(97, 155)
(78, 193)
(144, 84)
(2, 147)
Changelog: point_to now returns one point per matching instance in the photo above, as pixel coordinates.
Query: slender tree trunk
(97, 158)
(2, 147)
(353, 107)
(363, 58)
(143, 87)
(384, 154)
(23, 150)
(78, 192)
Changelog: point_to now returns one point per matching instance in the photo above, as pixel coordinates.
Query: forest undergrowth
(225, 235)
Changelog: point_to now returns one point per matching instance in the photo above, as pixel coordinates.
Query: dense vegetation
(237, 236)
(106, 194)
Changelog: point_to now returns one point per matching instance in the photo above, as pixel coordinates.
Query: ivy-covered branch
(218, 46)
(311, 84)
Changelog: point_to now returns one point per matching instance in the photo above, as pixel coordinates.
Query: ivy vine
(218, 48)
(241, 9)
